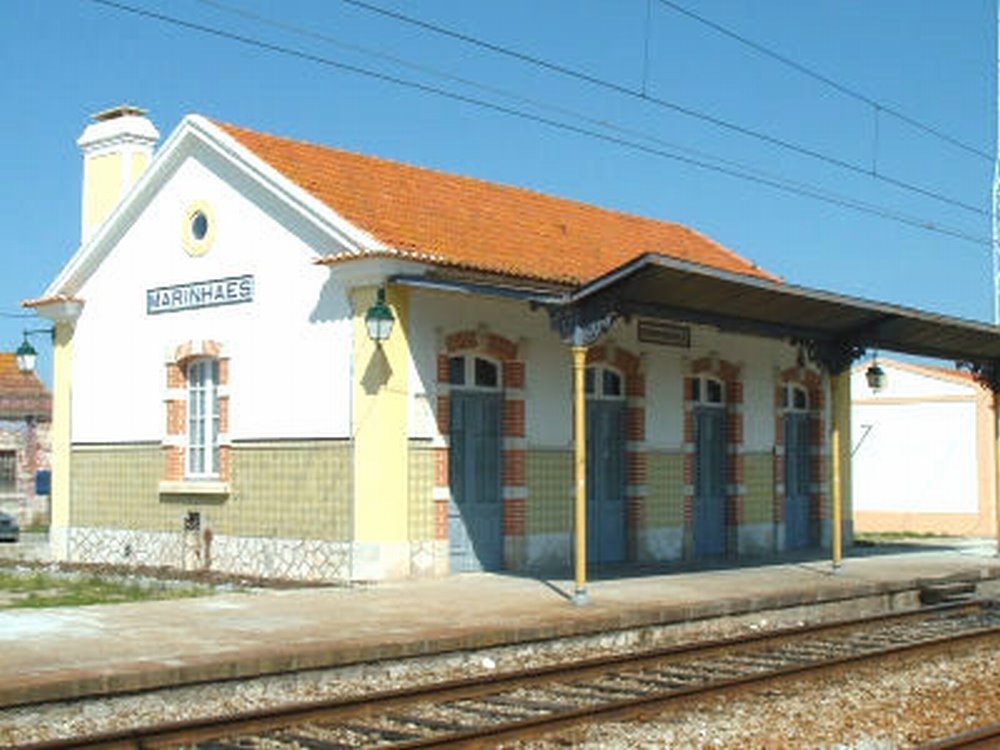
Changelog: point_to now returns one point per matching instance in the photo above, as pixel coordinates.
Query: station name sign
(233, 290)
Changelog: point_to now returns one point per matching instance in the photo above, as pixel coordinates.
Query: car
(9, 530)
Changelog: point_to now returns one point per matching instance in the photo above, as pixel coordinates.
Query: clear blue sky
(935, 61)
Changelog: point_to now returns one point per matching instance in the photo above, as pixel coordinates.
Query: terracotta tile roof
(470, 223)
(22, 394)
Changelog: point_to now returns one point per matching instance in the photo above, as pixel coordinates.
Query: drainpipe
(579, 476)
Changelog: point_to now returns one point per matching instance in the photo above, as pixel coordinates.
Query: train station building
(285, 360)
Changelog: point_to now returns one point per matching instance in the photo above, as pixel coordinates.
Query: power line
(809, 72)
(734, 168)
(664, 103)
(810, 192)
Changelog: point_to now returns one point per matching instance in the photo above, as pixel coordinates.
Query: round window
(199, 225)
(199, 228)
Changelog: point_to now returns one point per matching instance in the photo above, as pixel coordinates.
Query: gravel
(893, 705)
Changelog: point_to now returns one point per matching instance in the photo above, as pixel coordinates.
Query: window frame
(701, 386)
(202, 455)
(469, 372)
(8, 458)
(596, 382)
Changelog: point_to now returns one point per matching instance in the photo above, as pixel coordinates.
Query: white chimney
(117, 148)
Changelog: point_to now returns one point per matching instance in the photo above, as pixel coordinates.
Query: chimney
(117, 147)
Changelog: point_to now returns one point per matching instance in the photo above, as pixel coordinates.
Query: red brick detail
(513, 418)
(444, 414)
(176, 417)
(635, 470)
(635, 385)
(513, 374)
(635, 513)
(224, 414)
(440, 519)
(635, 423)
(626, 361)
(514, 474)
(441, 467)
(597, 354)
(442, 368)
(514, 517)
(499, 347)
(461, 340)
(175, 376)
(688, 511)
(225, 462)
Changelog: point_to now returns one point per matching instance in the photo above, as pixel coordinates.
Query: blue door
(475, 530)
(796, 481)
(605, 481)
(709, 482)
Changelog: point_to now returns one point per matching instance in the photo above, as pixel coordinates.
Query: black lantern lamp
(875, 376)
(26, 356)
(379, 319)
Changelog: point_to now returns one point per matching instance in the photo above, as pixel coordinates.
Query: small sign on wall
(664, 334)
(233, 290)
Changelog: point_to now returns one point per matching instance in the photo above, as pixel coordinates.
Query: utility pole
(996, 194)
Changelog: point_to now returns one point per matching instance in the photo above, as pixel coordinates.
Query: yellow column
(579, 475)
(840, 456)
(61, 436)
(996, 464)
(379, 429)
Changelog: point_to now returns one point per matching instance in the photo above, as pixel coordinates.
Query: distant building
(923, 452)
(25, 418)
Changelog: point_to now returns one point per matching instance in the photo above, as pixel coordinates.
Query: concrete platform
(55, 654)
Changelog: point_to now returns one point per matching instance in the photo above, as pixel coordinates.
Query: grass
(37, 589)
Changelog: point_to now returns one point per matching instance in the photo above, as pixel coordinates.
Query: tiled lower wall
(289, 514)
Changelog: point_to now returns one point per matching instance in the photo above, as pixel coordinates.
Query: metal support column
(579, 476)
(840, 440)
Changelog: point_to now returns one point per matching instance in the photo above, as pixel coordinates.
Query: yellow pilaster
(379, 428)
(840, 455)
(61, 436)
(579, 475)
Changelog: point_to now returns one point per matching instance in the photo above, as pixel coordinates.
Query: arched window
(203, 416)
(473, 372)
(795, 398)
(708, 391)
(603, 382)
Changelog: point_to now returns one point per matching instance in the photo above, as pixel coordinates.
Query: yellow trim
(840, 448)
(61, 435)
(194, 246)
(579, 474)
(380, 422)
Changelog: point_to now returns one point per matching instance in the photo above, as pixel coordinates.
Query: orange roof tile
(22, 394)
(461, 221)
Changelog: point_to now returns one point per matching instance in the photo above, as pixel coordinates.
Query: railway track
(538, 701)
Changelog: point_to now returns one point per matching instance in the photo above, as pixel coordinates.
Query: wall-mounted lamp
(379, 319)
(875, 376)
(26, 355)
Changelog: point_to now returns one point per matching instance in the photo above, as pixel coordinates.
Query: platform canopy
(836, 328)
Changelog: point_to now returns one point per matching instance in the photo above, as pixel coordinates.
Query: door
(475, 520)
(710, 482)
(605, 481)
(796, 481)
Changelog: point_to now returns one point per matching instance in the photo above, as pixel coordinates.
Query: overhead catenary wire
(664, 104)
(769, 177)
(814, 193)
(843, 89)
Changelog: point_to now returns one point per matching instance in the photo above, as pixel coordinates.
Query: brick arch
(636, 487)
(175, 440)
(514, 449)
(812, 381)
(730, 375)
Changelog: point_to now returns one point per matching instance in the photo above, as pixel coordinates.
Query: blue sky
(934, 61)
